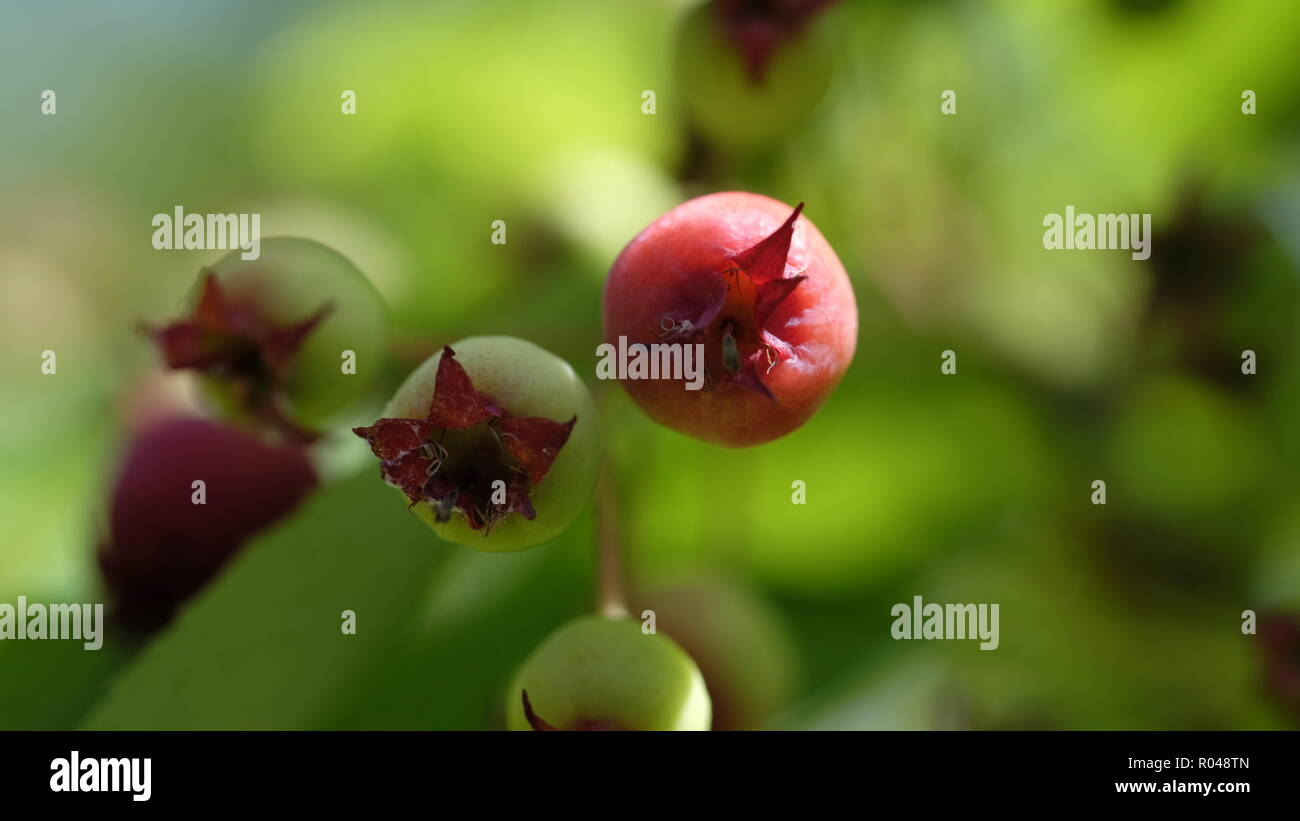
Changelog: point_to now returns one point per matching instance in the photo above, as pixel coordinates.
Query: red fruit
(758, 286)
(161, 546)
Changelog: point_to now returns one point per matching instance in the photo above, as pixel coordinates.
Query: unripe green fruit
(596, 673)
(524, 381)
(728, 103)
(290, 281)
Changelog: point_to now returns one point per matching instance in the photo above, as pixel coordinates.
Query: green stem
(611, 597)
(611, 601)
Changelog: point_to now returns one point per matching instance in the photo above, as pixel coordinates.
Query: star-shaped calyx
(540, 724)
(236, 344)
(757, 28)
(454, 458)
(730, 313)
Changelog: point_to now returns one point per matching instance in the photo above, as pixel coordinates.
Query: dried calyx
(468, 455)
(250, 355)
(538, 723)
(758, 28)
(599, 673)
(729, 313)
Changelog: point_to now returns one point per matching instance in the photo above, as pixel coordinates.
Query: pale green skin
(527, 381)
(726, 105)
(596, 669)
(289, 281)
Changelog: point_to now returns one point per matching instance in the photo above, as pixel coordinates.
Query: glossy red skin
(652, 276)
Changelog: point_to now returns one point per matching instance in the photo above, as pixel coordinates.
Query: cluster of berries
(493, 441)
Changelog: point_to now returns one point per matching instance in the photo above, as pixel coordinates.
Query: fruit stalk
(611, 600)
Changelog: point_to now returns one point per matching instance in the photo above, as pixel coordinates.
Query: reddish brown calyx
(236, 344)
(757, 28)
(538, 723)
(731, 313)
(468, 455)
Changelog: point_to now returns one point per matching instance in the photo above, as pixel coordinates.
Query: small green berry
(596, 673)
(288, 339)
(752, 73)
(494, 442)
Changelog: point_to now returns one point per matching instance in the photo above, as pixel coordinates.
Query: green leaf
(263, 647)
(51, 685)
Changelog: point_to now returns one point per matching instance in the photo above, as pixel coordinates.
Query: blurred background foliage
(966, 488)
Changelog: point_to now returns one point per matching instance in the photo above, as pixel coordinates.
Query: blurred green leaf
(263, 646)
(50, 685)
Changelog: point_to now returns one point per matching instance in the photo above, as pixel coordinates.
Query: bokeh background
(974, 487)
